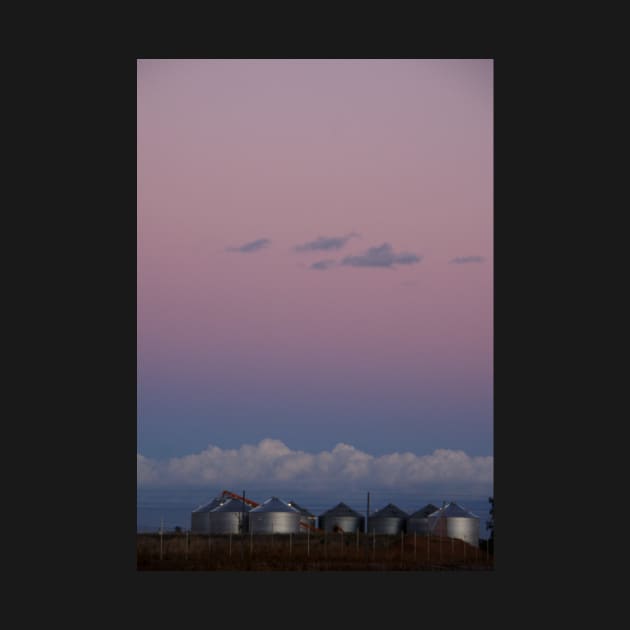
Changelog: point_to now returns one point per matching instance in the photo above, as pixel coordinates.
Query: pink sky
(398, 151)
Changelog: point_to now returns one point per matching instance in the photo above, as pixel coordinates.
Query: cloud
(272, 462)
(325, 243)
(462, 260)
(323, 264)
(253, 246)
(382, 256)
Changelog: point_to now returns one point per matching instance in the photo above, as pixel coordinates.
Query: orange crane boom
(233, 495)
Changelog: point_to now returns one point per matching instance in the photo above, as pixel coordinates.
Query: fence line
(286, 551)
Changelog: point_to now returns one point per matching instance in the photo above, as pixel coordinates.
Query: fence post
(415, 555)
(251, 539)
(308, 542)
(402, 548)
(373, 544)
(162, 538)
(357, 539)
(187, 544)
(290, 544)
(429, 547)
(230, 547)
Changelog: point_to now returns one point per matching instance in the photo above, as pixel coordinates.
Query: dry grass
(333, 552)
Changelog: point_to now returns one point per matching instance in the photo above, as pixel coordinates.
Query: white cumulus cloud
(271, 462)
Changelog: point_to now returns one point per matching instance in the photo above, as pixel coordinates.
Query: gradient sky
(239, 337)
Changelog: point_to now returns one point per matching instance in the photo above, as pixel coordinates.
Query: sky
(314, 270)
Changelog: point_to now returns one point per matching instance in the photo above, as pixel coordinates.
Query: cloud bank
(253, 246)
(462, 260)
(325, 243)
(381, 256)
(272, 462)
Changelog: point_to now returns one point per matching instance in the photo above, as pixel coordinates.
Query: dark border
(107, 425)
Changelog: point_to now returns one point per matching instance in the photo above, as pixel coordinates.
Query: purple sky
(386, 344)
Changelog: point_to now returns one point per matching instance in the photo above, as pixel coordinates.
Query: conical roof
(273, 504)
(389, 511)
(341, 509)
(425, 511)
(452, 510)
(232, 505)
(301, 510)
(208, 507)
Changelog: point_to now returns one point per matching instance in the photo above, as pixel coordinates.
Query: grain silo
(230, 517)
(454, 521)
(307, 518)
(199, 518)
(388, 520)
(341, 518)
(418, 522)
(274, 516)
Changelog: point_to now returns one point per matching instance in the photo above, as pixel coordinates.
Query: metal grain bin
(308, 518)
(388, 520)
(418, 522)
(199, 517)
(274, 516)
(230, 517)
(454, 521)
(341, 518)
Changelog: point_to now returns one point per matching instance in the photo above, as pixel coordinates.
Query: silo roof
(390, 510)
(341, 509)
(208, 507)
(232, 505)
(452, 510)
(425, 511)
(301, 510)
(273, 504)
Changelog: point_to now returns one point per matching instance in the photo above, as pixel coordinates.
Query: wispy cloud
(381, 256)
(323, 264)
(272, 462)
(253, 246)
(462, 260)
(325, 243)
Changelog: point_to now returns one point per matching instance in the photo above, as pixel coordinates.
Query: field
(315, 552)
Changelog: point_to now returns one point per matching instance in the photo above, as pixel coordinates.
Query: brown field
(333, 552)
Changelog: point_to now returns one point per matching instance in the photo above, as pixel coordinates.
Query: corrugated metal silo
(341, 517)
(274, 516)
(388, 520)
(199, 517)
(230, 517)
(418, 522)
(308, 518)
(454, 521)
